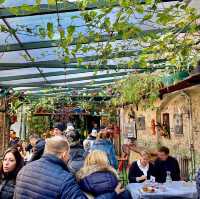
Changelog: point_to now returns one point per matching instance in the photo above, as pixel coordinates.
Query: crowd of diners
(62, 166)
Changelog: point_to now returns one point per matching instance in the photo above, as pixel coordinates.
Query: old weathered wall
(175, 103)
(3, 127)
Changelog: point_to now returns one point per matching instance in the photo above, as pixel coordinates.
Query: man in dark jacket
(47, 178)
(38, 145)
(164, 164)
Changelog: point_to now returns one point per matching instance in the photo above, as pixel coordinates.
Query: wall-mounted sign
(178, 124)
(140, 123)
(130, 129)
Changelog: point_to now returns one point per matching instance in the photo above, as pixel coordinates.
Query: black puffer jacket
(7, 187)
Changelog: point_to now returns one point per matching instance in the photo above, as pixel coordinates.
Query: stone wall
(174, 103)
(3, 127)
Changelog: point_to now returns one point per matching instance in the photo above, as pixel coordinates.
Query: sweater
(161, 168)
(135, 172)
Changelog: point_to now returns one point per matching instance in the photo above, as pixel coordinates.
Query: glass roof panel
(6, 38)
(23, 81)
(33, 23)
(45, 54)
(14, 3)
(13, 57)
(88, 81)
(16, 72)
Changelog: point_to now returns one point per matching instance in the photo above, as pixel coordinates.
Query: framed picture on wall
(140, 123)
(130, 129)
(178, 124)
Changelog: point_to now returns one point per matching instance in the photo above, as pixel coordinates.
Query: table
(174, 190)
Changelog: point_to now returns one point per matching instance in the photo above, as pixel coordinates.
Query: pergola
(34, 64)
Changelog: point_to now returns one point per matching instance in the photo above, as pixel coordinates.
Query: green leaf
(147, 17)
(51, 2)
(2, 1)
(42, 32)
(71, 30)
(50, 30)
(67, 59)
(15, 11)
(79, 60)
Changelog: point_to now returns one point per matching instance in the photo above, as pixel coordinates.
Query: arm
(177, 173)
(131, 174)
(71, 190)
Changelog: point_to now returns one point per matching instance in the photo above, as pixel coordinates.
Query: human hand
(141, 178)
(119, 189)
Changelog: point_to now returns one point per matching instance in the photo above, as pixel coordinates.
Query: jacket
(77, 157)
(47, 178)
(161, 168)
(7, 187)
(100, 181)
(108, 148)
(97, 180)
(38, 150)
(198, 183)
(135, 172)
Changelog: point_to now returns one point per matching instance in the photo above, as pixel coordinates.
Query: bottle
(168, 178)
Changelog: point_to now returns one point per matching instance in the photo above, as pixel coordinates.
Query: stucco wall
(171, 103)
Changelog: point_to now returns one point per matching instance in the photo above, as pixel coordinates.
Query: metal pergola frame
(94, 82)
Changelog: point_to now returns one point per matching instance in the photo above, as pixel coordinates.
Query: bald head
(56, 145)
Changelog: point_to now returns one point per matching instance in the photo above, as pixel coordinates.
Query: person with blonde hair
(141, 169)
(98, 177)
(103, 144)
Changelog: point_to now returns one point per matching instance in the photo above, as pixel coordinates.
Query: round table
(174, 190)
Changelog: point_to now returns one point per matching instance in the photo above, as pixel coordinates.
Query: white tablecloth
(175, 190)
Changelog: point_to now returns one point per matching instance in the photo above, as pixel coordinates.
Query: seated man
(164, 164)
(48, 178)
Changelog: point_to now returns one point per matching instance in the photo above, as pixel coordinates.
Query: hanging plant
(138, 89)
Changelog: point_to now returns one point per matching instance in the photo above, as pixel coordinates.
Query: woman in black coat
(141, 170)
(12, 163)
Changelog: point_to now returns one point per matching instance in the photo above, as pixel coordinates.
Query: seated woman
(97, 177)
(141, 170)
(12, 163)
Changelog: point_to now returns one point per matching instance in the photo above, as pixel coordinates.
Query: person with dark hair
(166, 164)
(12, 163)
(77, 153)
(38, 145)
(58, 128)
(15, 141)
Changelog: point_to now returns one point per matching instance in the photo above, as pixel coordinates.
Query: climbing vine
(153, 33)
